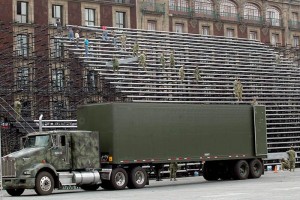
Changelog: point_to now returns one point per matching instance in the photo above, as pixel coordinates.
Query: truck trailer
(118, 145)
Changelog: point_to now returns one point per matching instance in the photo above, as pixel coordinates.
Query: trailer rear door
(260, 130)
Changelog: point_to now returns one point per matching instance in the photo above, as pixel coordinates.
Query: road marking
(286, 189)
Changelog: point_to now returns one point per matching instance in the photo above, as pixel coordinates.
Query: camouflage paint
(81, 151)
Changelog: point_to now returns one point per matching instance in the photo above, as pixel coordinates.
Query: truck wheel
(137, 178)
(241, 170)
(209, 172)
(44, 183)
(90, 187)
(256, 168)
(119, 178)
(15, 192)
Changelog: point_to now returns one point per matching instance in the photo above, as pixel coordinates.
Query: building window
(57, 79)
(205, 30)
(251, 12)
(57, 13)
(120, 19)
(203, 6)
(22, 45)
(275, 39)
(151, 25)
(90, 17)
(178, 28)
(295, 16)
(23, 78)
(230, 32)
(227, 8)
(296, 41)
(253, 35)
(273, 16)
(179, 5)
(57, 50)
(58, 110)
(22, 12)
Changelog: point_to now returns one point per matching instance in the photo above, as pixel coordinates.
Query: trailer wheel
(241, 170)
(209, 172)
(137, 178)
(256, 168)
(90, 187)
(15, 192)
(119, 178)
(44, 183)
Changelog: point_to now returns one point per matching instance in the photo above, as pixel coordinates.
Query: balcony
(229, 16)
(203, 13)
(123, 2)
(274, 22)
(294, 24)
(181, 11)
(153, 8)
(250, 19)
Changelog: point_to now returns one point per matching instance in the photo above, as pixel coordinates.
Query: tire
(209, 172)
(90, 187)
(119, 179)
(241, 170)
(15, 192)
(44, 183)
(137, 178)
(256, 168)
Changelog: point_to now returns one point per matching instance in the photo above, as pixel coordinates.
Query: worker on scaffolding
(181, 73)
(162, 60)
(142, 60)
(135, 49)
(59, 27)
(115, 63)
(238, 89)
(172, 59)
(17, 108)
(123, 39)
(197, 74)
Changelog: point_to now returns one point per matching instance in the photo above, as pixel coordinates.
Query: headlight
(27, 172)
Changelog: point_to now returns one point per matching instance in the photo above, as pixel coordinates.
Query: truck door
(60, 153)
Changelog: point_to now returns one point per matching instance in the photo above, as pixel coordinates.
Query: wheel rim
(45, 183)
(120, 179)
(139, 177)
(243, 170)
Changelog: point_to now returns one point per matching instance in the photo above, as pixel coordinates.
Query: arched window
(228, 9)
(251, 12)
(203, 6)
(273, 16)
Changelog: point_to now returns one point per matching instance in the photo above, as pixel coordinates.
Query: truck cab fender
(44, 167)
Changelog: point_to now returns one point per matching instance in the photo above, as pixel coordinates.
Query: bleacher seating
(220, 60)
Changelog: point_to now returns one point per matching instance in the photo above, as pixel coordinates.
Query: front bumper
(18, 183)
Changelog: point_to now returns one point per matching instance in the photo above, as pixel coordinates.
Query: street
(283, 185)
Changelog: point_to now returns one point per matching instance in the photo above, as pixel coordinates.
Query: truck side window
(63, 140)
(54, 140)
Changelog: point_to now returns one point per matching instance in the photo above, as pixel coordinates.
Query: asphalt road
(271, 186)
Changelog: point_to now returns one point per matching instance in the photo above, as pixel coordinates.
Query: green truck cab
(51, 160)
(123, 143)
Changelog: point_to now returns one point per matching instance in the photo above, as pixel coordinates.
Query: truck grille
(8, 167)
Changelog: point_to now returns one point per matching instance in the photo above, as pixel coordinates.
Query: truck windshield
(37, 141)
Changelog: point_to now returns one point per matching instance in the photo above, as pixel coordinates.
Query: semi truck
(117, 145)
